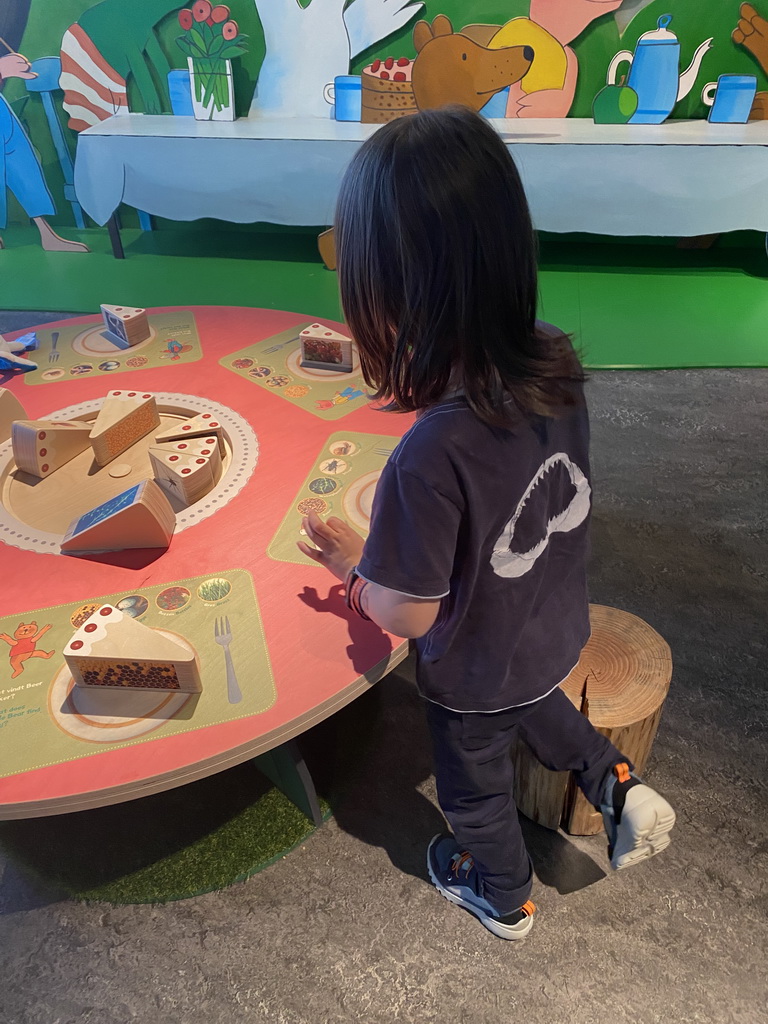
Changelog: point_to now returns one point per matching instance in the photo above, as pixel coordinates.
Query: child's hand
(338, 548)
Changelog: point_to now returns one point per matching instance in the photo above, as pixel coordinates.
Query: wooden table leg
(285, 767)
(113, 227)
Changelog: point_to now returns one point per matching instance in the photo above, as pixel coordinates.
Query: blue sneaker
(637, 820)
(454, 874)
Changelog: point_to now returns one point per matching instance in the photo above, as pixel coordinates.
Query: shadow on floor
(378, 779)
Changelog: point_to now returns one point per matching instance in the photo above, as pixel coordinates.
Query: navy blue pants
(475, 774)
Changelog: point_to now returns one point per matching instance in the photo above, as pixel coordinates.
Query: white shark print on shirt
(512, 564)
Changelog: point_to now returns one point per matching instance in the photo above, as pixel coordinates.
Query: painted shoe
(637, 820)
(454, 874)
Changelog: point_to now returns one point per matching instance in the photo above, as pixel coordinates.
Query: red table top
(320, 656)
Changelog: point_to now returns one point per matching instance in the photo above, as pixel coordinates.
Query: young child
(479, 530)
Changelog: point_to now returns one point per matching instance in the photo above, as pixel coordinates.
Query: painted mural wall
(532, 58)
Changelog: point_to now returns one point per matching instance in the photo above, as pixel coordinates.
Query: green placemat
(341, 482)
(45, 720)
(274, 364)
(83, 350)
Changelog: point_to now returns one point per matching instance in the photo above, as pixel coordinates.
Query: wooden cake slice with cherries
(205, 425)
(124, 418)
(111, 650)
(40, 447)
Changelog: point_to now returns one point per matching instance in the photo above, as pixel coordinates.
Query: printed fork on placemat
(276, 348)
(222, 634)
(54, 355)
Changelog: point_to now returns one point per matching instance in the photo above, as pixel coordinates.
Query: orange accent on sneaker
(621, 771)
(460, 861)
(528, 909)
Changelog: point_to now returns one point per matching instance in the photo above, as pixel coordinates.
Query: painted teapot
(655, 72)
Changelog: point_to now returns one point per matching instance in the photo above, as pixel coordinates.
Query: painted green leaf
(198, 40)
(230, 52)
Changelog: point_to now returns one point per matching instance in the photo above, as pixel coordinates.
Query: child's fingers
(315, 527)
(312, 553)
(337, 524)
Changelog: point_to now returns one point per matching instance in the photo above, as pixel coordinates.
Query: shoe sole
(646, 821)
(501, 931)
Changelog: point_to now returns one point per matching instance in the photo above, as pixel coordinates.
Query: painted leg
(42, 654)
(17, 664)
(52, 242)
(21, 172)
(285, 767)
(155, 54)
(144, 83)
(113, 227)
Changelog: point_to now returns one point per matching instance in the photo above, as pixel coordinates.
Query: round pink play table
(320, 655)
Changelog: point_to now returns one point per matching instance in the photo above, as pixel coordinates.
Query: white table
(680, 178)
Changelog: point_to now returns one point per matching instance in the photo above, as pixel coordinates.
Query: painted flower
(185, 19)
(220, 13)
(202, 10)
(230, 30)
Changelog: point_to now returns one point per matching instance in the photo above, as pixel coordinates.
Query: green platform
(634, 303)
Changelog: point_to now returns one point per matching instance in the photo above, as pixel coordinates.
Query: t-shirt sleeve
(412, 542)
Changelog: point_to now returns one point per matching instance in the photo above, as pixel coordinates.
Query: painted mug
(345, 93)
(730, 98)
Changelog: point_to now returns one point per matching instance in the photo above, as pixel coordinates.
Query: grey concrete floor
(346, 928)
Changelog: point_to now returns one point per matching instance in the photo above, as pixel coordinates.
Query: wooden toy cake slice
(187, 477)
(124, 417)
(141, 517)
(42, 446)
(11, 409)
(325, 349)
(112, 650)
(204, 425)
(199, 447)
(128, 324)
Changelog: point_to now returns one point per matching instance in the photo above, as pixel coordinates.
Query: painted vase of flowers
(211, 40)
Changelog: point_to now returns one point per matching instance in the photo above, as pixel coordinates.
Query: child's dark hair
(437, 268)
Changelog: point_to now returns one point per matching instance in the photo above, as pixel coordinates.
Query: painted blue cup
(181, 96)
(731, 98)
(345, 94)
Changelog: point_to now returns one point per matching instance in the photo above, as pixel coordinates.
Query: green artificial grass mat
(635, 303)
(197, 838)
(187, 841)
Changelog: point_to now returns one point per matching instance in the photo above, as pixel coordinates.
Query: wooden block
(141, 517)
(10, 409)
(204, 425)
(187, 477)
(199, 447)
(111, 650)
(129, 324)
(41, 447)
(325, 349)
(124, 417)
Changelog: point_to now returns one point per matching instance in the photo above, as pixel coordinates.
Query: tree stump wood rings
(624, 673)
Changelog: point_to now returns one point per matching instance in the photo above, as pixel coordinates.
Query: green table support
(285, 767)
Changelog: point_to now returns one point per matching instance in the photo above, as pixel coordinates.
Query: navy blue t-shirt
(495, 524)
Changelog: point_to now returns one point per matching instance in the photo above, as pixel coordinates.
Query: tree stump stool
(620, 683)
